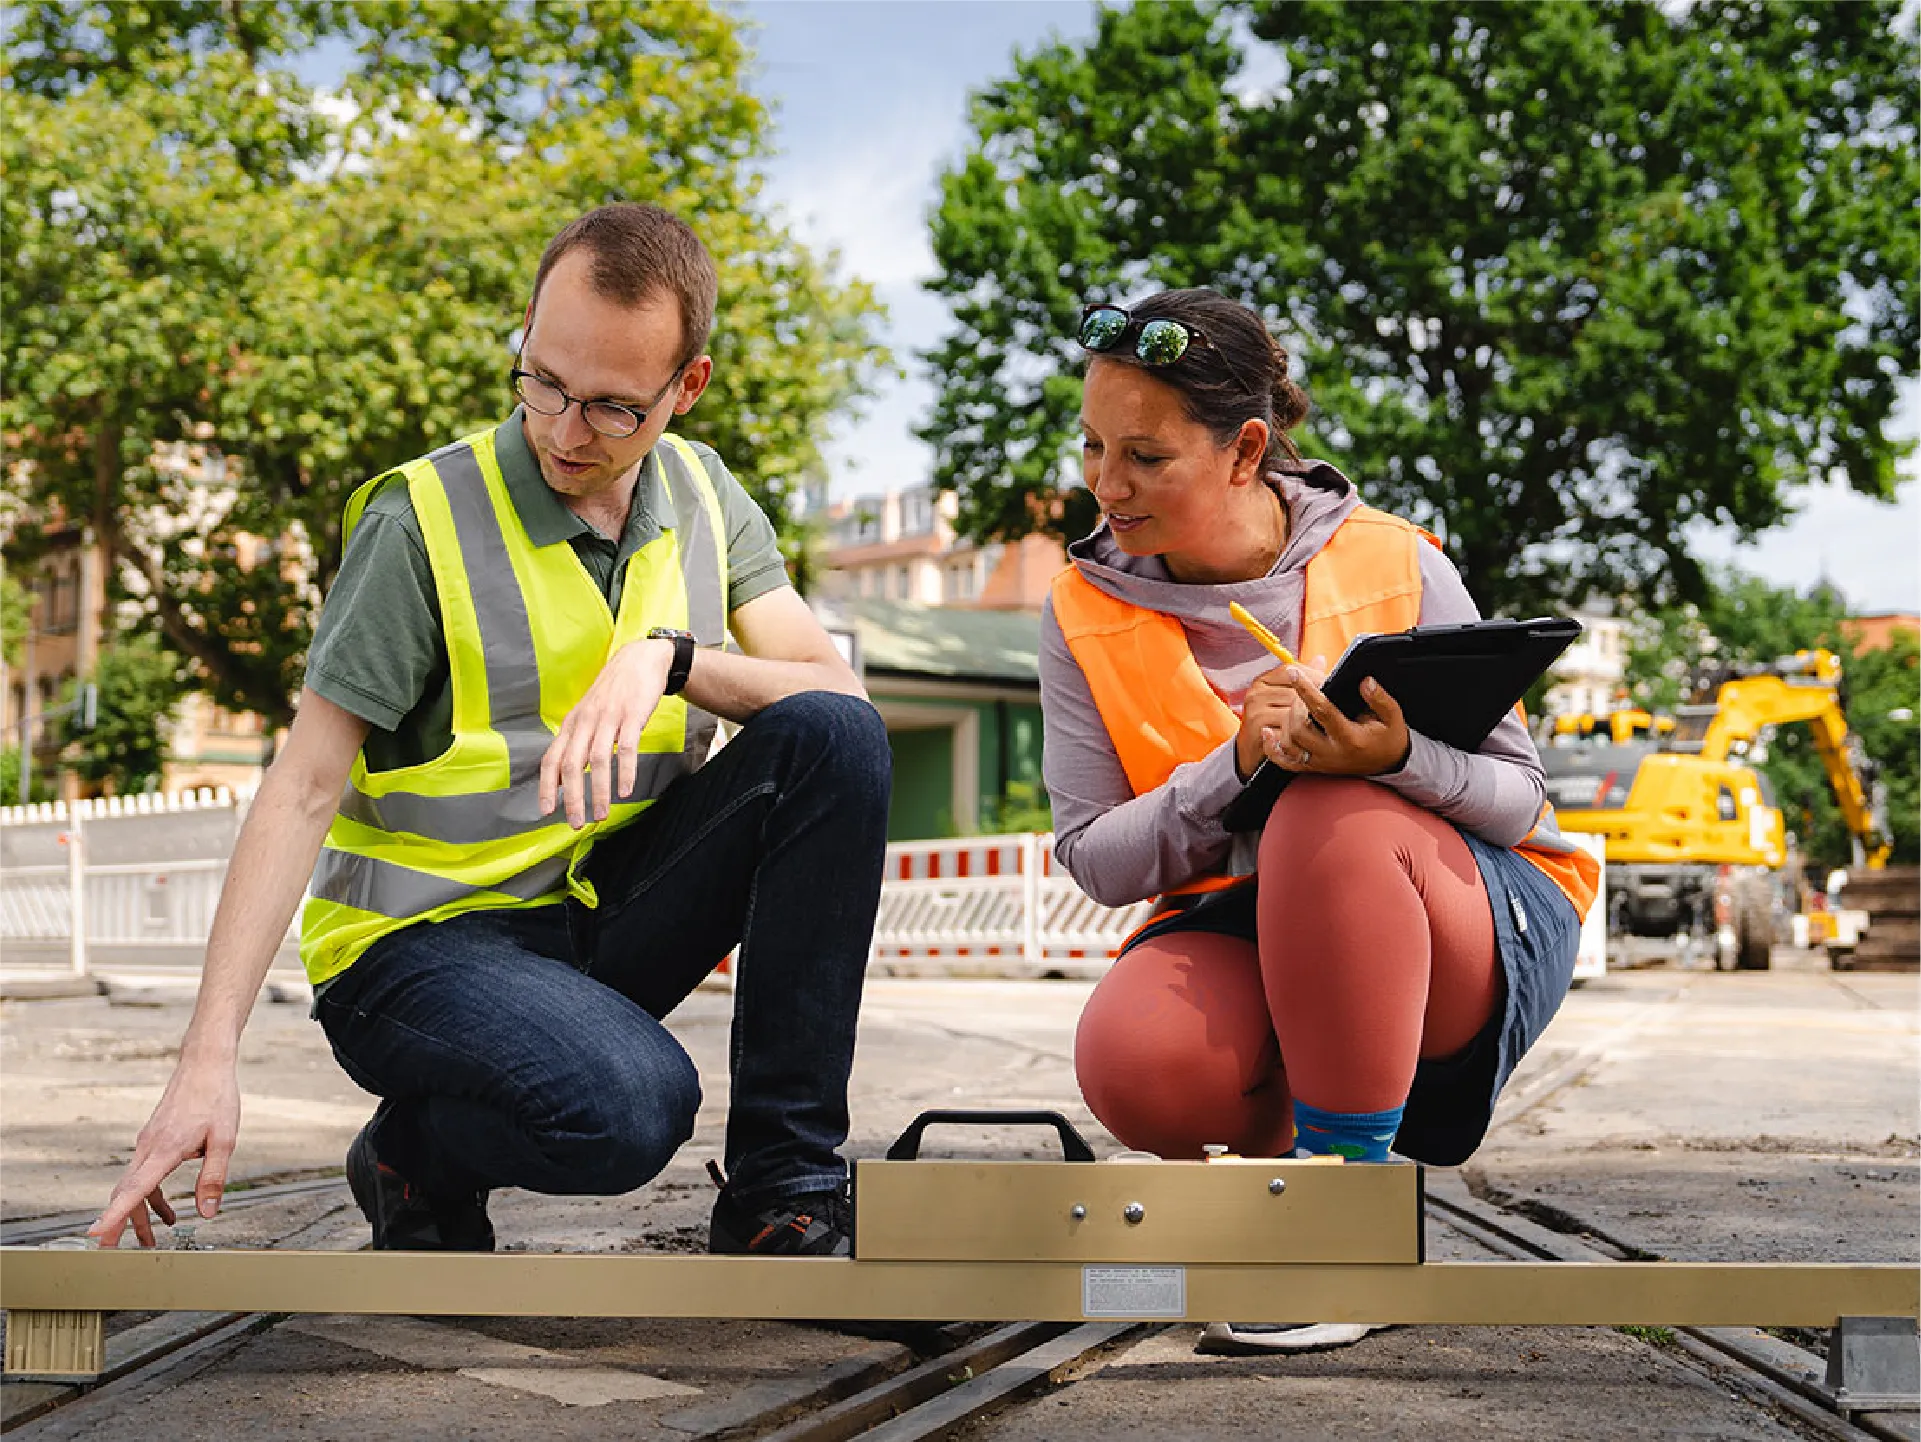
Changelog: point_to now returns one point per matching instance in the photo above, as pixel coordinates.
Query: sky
(870, 105)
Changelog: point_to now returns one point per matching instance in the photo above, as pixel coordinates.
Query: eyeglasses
(1108, 328)
(608, 418)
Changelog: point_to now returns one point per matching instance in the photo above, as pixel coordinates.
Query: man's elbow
(306, 791)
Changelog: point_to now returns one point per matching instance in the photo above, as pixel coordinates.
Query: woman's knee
(1323, 827)
(1171, 1056)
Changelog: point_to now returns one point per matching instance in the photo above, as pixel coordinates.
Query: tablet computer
(1453, 683)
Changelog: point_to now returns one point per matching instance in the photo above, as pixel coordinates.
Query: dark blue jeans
(525, 1048)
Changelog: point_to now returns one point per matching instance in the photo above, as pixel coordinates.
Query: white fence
(143, 875)
(993, 906)
(140, 874)
(978, 905)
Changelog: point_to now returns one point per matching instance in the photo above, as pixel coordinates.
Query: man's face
(596, 349)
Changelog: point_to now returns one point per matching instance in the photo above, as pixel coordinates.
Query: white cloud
(1870, 549)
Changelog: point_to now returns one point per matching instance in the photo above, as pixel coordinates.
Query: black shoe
(404, 1218)
(819, 1224)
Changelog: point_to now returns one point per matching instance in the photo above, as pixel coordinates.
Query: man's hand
(600, 738)
(1316, 737)
(198, 1116)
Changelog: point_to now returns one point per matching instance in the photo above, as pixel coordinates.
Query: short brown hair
(638, 251)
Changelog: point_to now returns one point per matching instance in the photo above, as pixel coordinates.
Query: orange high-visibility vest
(1161, 712)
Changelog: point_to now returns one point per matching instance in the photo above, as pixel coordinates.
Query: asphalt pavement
(1690, 1114)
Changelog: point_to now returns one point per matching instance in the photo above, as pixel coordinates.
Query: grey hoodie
(1120, 847)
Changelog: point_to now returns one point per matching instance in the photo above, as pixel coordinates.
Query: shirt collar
(545, 516)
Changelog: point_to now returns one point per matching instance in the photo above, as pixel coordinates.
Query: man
(526, 865)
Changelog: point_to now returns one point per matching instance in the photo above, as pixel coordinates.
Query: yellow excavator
(1695, 842)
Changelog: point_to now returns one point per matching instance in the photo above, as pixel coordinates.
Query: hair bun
(1289, 401)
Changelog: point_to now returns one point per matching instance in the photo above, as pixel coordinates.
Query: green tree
(40, 788)
(1565, 279)
(137, 686)
(207, 251)
(1744, 621)
(16, 614)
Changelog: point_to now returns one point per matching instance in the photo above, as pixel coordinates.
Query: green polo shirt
(379, 651)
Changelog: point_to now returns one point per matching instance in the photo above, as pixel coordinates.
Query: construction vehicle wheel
(1753, 929)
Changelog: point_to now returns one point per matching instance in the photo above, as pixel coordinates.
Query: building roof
(903, 638)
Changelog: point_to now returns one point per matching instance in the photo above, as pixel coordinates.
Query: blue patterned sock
(1358, 1136)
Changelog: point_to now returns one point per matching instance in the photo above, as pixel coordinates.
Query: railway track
(957, 1376)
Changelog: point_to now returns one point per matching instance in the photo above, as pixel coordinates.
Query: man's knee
(630, 1126)
(842, 734)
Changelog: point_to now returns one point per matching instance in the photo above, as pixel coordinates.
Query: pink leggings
(1376, 949)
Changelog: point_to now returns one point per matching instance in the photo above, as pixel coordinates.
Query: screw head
(1214, 1149)
(1077, 1212)
(1277, 1186)
(1133, 1211)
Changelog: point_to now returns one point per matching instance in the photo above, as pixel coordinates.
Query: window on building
(917, 511)
(903, 583)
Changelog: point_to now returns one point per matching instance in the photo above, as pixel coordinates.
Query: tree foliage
(137, 683)
(1744, 621)
(16, 615)
(207, 250)
(1565, 279)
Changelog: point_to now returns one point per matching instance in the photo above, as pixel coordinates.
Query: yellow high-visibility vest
(528, 630)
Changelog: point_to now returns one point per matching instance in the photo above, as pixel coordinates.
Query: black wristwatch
(683, 656)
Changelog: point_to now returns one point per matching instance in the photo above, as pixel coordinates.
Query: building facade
(1590, 677)
(902, 546)
(70, 621)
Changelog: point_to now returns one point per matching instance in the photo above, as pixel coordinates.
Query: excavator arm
(1803, 687)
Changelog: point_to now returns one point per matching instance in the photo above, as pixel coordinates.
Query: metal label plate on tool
(1131, 1292)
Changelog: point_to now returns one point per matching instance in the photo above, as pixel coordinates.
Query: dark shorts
(1536, 934)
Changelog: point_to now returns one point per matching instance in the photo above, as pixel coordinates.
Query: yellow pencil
(1260, 633)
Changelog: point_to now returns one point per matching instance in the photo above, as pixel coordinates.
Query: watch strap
(683, 662)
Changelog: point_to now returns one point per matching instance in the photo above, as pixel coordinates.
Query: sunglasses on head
(1106, 329)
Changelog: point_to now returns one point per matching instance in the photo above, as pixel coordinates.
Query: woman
(1365, 971)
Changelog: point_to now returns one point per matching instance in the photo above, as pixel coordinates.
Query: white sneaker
(1244, 1337)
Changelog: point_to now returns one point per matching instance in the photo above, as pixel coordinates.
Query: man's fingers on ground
(207, 1190)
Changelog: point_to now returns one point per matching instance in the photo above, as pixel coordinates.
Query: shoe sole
(1220, 1339)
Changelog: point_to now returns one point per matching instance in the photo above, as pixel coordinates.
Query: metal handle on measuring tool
(1074, 1147)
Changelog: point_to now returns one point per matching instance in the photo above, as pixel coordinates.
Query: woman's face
(1163, 483)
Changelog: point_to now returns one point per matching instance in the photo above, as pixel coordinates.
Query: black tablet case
(1453, 683)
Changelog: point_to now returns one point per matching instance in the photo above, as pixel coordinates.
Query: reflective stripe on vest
(1367, 578)
(527, 632)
